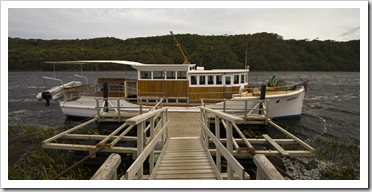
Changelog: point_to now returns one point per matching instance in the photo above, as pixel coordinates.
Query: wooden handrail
(239, 169)
(137, 164)
(140, 118)
(223, 115)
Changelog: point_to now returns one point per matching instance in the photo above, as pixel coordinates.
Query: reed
(338, 160)
(28, 160)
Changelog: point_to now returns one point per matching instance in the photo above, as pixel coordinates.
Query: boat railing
(54, 79)
(59, 80)
(81, 76)
(76, 92)
(103, 110)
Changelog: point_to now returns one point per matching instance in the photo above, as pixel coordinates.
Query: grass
(28, 160)
(338, 160)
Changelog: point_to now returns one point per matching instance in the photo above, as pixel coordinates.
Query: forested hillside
(266, 52)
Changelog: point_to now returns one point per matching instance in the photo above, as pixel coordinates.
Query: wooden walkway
(185, 158)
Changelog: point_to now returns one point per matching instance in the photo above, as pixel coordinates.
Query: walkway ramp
(185, 158)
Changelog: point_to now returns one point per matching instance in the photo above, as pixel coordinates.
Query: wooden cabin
(186, 83)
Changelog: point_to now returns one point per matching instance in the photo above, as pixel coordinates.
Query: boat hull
(280, 106)
(288, 105)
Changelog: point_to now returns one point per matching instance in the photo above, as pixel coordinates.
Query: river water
(331, 109)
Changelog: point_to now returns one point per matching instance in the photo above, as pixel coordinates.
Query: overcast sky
(340, 24)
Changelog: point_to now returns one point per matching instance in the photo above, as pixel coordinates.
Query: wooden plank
(189, 167)
(188, 171)
(292, 136)
(275, 145)
(292, 153)
(187, 154)
(266, 170)
(168, 164)
(246, 176)
(186, 161)
(69, 131)
(263, 141)
(216, 170)
(183, 149)
(175, 158)
(121, 135)
(187, 176)
(108, 169)
(111, 135)
(178, 162)
(159, 158)
(246, 142)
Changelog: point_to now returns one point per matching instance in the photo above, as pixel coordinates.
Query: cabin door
(227, 86)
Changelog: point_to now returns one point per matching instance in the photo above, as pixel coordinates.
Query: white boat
(183, 87)
(56, 92)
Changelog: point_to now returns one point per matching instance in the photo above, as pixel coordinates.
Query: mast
(246, 56)
(179, 46)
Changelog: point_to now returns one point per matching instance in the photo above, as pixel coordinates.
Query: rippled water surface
(331, 108)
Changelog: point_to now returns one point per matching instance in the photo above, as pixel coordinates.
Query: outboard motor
(47, 96)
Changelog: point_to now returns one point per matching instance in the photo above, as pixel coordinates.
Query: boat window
(171, 74)
(181, 74)
(218, 79)
(242, 78)
(210, 80)
(158, 75)
(227, 80)
(236, 79)
(145, 74)
(201, 80)
(193, 80)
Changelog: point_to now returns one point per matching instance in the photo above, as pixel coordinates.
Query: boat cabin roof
(164, 67)
(218, 71)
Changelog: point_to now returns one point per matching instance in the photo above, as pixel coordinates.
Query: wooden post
(218, 153)
(245, 111)
(125, 89)
(108, 170)
(98, 110)
(152, 158)
(118, 108)
(262, 97)
(224, 105)
(207, 123)
(140, 140)
(229, 147)
(105, 96)
(267, 111)
(265, 170)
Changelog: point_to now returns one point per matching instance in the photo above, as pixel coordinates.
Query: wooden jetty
(182, 145)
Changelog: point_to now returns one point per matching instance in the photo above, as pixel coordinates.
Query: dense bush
(265, 51)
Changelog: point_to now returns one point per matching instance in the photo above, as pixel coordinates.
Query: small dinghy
(55, 92)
